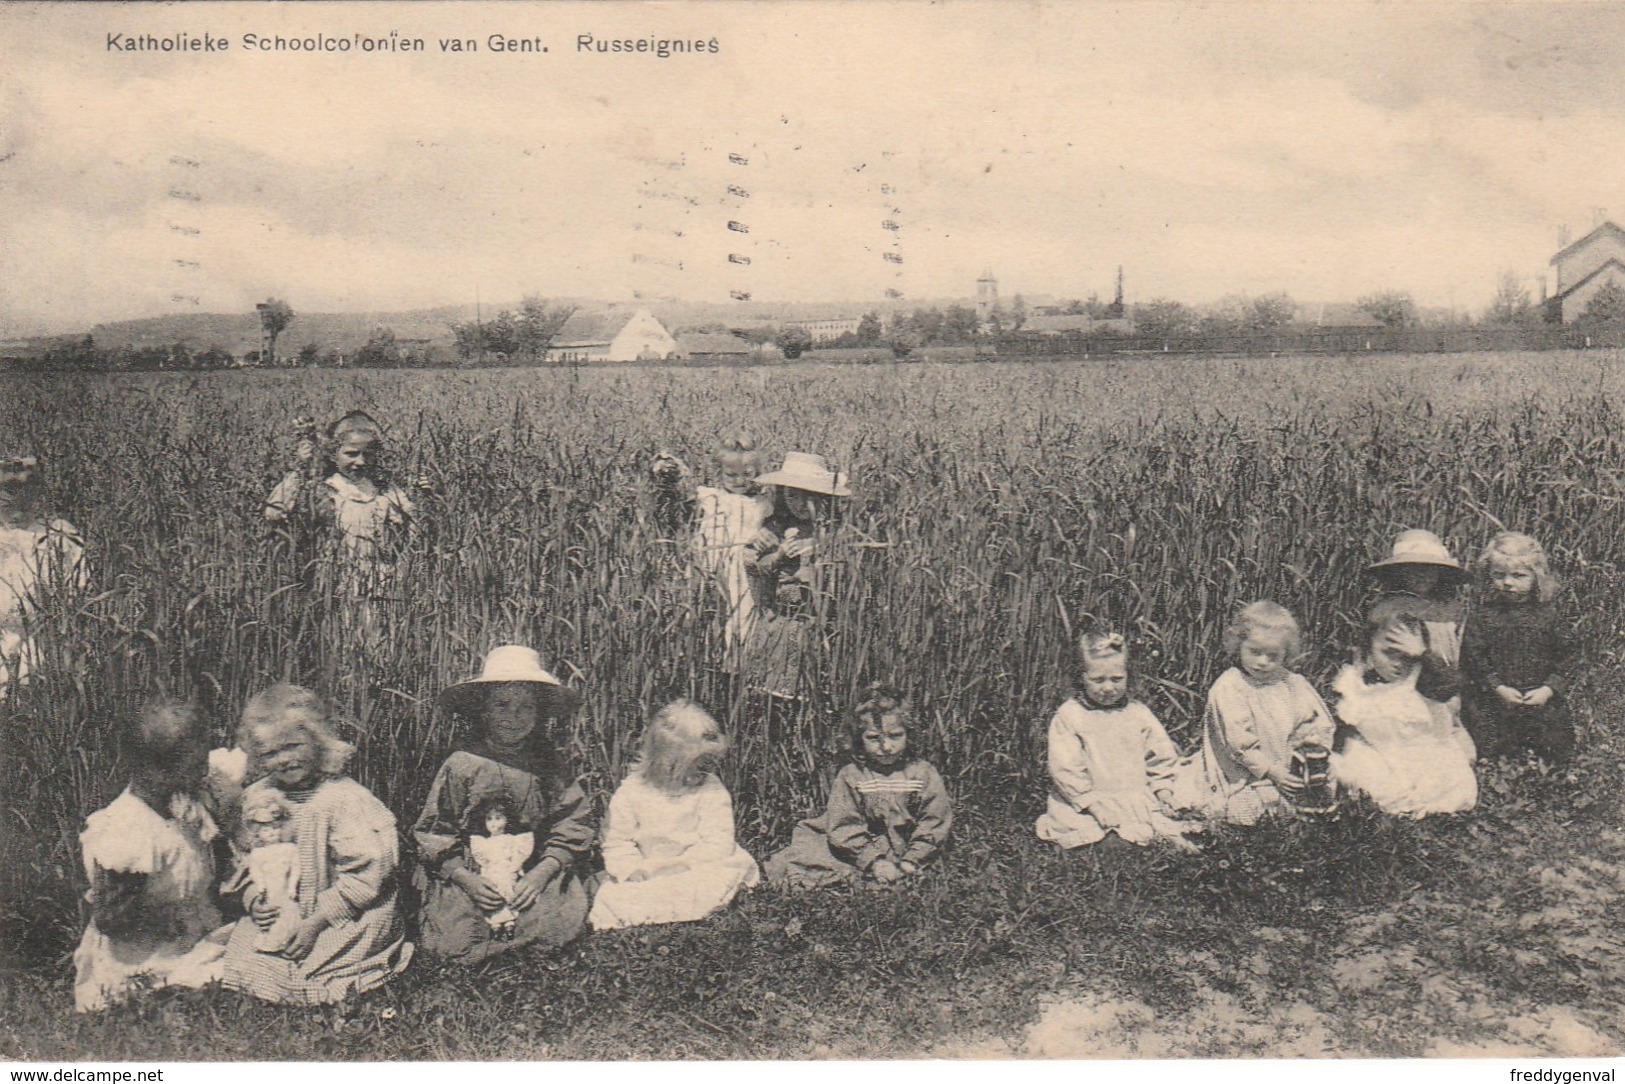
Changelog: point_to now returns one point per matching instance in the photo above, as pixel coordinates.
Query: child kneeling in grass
(668, 842)
(1111, 765)
(888, 813)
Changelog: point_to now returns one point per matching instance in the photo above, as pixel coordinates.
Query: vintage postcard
(811, 531)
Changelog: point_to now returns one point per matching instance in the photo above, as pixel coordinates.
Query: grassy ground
(1490, 933)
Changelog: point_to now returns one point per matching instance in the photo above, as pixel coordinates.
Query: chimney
(1562, 237)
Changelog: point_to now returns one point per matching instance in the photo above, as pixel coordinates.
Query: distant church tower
(1115, 310)
(987, 296)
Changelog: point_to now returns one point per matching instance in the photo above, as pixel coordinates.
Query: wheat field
(998, 508)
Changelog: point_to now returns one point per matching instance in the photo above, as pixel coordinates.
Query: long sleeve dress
(1523, 645)
(174, 856)
(33, 557)
(1117, 763)
(683, 848)
(562, 822)
(724, 524)
(1408, 753)
(1249, 729)
(349, 851)
(789, 597)
(901, 815)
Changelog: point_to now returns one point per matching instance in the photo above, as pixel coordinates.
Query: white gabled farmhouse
(612, 335)
(1585, 267)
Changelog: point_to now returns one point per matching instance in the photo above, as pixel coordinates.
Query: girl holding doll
(786, 564)
(348, 937)
(668, 841)
(1112, 768)
(473, 906)
(888, 814)
(150, 864)
(1259, 714)
(1516, 655)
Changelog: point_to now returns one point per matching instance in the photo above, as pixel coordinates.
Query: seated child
(270, 864)
(1516, 654)
(888, 813)
(1111, 764)
(1259, 713)
(668, 841)
(499, 856)
(1420, 579)
(150, 864)
(1408, 753)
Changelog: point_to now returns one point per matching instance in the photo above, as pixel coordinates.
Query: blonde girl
(668, 842)
(1517, 655)
(1259, 712)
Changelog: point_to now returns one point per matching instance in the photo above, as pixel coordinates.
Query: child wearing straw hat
(784, 565)
(508, 760)
(1420, 579)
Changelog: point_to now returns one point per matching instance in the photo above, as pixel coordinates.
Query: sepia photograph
(815, 531)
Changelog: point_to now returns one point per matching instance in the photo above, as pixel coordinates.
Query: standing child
(356, 500)
(37, 553)
(1259, 713)
(499, 856)
(271, 867)
(669, 849)
(725, 518)
(1111, 765)
(888, 814)
(1419, 578)
(783, 561)
(1516, 654)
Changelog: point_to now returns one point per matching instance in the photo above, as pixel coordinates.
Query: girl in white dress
(725, 517)
(1408, 753)
(668, 841)
(150, 866)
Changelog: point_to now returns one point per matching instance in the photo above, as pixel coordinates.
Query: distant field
(1002, 506)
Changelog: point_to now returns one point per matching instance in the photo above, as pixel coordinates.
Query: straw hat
(803, 470)
(1420, 548)
(511, 663)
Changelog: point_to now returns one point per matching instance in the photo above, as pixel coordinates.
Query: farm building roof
(1606, 227)
(592, 328)
(697, 342)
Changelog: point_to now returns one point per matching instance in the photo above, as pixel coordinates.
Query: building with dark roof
(1583, 268)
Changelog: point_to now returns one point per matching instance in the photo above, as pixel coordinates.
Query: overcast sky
(1323, 149)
